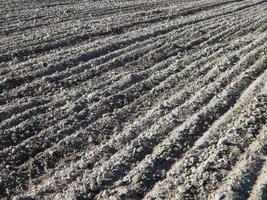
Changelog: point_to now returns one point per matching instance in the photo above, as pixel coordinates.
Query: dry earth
(133, 99)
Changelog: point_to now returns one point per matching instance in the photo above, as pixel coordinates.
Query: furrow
(23, 53)
(243, 175)
(199, 161)
(31, 87)
(147, 171)
(259, 190)
(130, 145)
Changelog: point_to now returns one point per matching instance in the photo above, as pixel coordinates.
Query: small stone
(193, 159)
(164, 106)
(45, 64)
(203, 144)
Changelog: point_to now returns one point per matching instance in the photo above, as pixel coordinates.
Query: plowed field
(133, 99)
